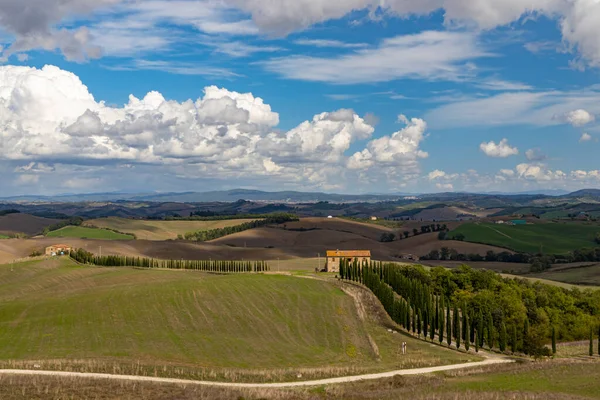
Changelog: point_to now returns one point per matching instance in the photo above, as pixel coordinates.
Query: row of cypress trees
(412, 305)
(85, 257)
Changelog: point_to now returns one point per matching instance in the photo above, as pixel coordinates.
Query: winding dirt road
(320, 382)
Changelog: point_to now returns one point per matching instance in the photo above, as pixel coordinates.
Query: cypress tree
(480, 330)
(455, 324)
(448, 326)
(553, 340)
(441, 329)
(599, 340)
(476, 342)
(432, 329)
(419, 324)
(502, 338)
(466, 328)
(591, 341)
(457, 329)
(490, 327)
(513, 344)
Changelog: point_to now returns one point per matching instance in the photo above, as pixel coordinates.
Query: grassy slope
(557, 238)
(88, 233)
(3, 236)
(56, 310)
(160, 230)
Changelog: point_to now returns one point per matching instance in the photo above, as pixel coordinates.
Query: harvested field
(313, 237)
(24, 223)
(587, 274)
(160, 230)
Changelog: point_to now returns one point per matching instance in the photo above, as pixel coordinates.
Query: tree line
(202, 236)
(85, 257)
(468, 307)
(450, 254)
(390, 237)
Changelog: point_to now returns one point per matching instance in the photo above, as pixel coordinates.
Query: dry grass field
(193, 325)
(160, 230)
(564, 380)
(24, 223)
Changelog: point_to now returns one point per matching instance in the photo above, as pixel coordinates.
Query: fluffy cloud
(586, 137)
(49, 118)
(500, 150)
(579, 117)
(400, 151)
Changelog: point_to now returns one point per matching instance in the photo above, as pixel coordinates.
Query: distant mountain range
(283, 196)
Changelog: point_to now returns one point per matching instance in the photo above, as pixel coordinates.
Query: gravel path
(343, 379)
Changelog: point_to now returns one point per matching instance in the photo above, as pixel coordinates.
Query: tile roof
(348, 253)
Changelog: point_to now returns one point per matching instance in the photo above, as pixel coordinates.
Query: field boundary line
(319, 382)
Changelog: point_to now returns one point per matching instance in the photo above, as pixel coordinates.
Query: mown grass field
(160, 230)
(553, 238)
(82, 232)
(190, 324)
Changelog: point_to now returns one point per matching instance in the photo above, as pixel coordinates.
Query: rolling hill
(160, 230)
(185, 322)
(24, 223)
(551, 238)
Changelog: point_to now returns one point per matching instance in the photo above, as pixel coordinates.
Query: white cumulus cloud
(586, 137)
(500, 150)
(579, 117)
(49, 119)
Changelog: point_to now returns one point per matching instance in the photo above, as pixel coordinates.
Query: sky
(347, 96)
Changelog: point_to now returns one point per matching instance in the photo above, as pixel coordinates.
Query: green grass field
(3, 236)
(552, 238)
(188, 324)
(160, 230)
(82, 232)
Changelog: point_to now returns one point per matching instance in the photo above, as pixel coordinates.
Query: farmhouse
(335, 256)
(58, 250)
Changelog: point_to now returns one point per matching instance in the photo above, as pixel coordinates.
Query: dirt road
(320, 382)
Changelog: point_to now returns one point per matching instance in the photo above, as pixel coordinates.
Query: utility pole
(277, 264)
(319, 262)
(100, 251)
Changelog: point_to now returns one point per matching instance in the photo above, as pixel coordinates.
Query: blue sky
(352, 96)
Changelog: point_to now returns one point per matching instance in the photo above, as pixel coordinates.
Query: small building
(334, 257)
(373, 218)
(58, 250)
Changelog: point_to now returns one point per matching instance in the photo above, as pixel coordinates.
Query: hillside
(551, 238)
(24, 223)
(87, 233)
(160, 230)
(55, 310)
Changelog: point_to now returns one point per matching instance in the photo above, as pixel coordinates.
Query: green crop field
(93, 317)
(3, 236)
(161, 230)
(551, 238)
(88, 233)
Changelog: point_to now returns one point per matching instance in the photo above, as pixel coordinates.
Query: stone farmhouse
(335, 256)
(58, 250)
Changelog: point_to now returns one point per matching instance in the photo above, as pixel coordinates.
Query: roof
(348, 253)
(62, 246)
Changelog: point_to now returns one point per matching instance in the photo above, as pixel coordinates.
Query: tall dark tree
(553, 340)
(448, 326)
(502, 338)
(513, 342)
